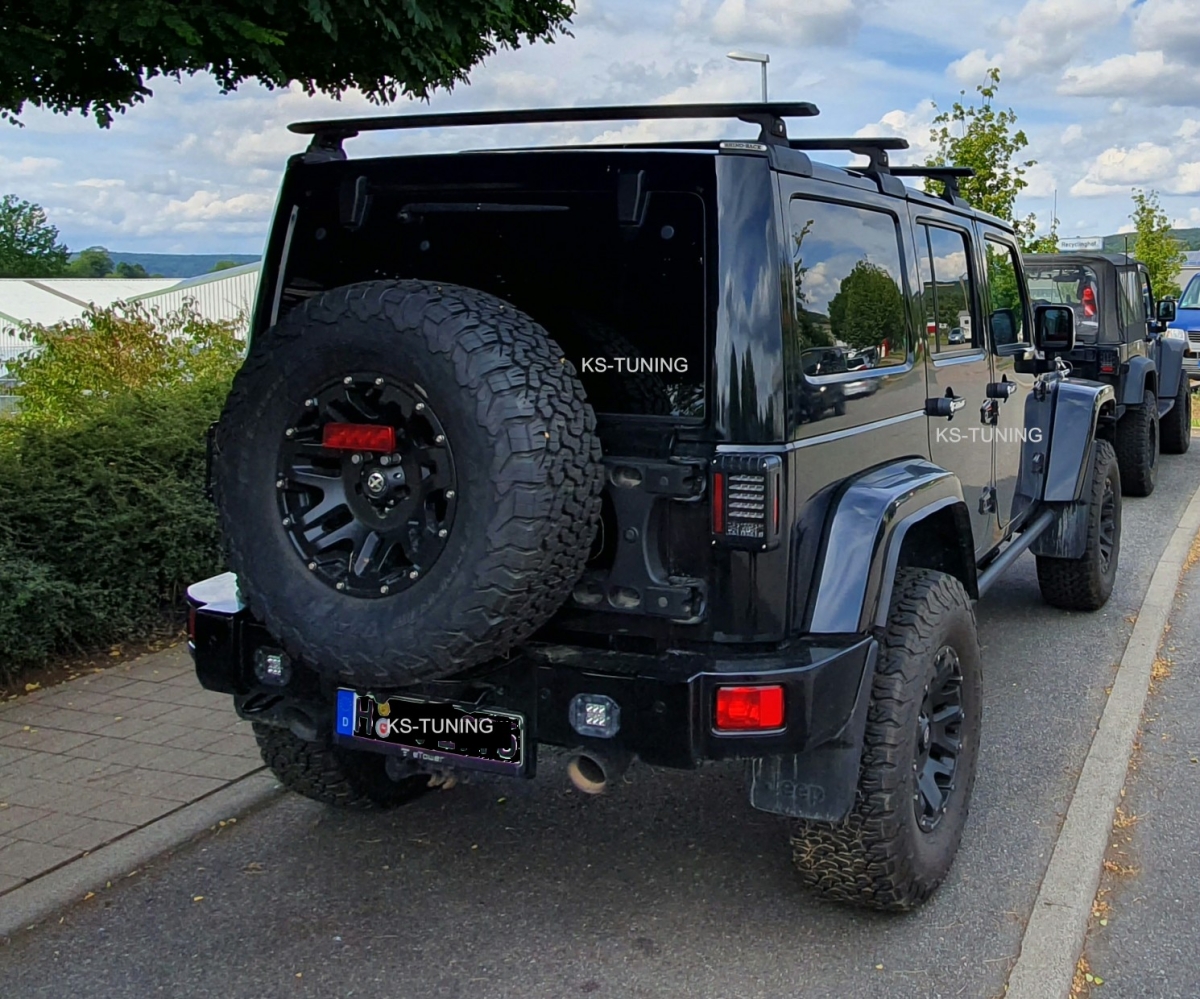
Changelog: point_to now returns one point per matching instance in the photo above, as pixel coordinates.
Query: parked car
(1183, 320)
(444, 557)
(1123, 342)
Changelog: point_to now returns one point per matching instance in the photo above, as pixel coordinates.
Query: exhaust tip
(587, 774)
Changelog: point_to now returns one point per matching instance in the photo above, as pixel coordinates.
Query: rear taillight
(1109, 359)
(358, 437)
(749, 709)
(747, 500)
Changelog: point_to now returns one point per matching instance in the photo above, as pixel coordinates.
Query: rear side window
(1131, 302)
(850, 310)
(946, 289)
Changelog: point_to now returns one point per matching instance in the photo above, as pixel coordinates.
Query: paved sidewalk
(89, 761)
(1147, 947)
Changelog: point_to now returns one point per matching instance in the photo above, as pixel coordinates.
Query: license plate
(434, 732)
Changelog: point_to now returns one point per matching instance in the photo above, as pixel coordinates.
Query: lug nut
(379, 381)
(440, 439)
(280, 483)
(383, 589)
(442, 533)
(312, 566)
(347, 380)
(420, 407)
(290, 432)
(341, 584)
(310, 403)
(356, 459)
(385, 459)
(287, 521)
(449, 494)
(414, 574)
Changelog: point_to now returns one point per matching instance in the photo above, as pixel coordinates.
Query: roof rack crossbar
(948, 176)
(329, 133)
(873, 147)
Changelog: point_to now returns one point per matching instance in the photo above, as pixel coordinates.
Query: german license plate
(434, 732)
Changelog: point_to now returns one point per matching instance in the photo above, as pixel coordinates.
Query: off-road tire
(1137, 446)
(1176, 428)
(878, 856)
(333, 775)
(1086, 583)
(527, 461)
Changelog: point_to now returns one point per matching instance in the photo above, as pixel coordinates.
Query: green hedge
(103, 520)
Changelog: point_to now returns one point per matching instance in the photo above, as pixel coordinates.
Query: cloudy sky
(1106, 90)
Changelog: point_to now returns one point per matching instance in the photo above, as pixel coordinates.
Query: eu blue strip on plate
(345, 712)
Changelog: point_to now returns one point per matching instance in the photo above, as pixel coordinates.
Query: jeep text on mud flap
(436, 512)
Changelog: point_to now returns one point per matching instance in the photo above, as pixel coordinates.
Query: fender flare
(1133, 385)
(864, 534)
(1077, 406)
(1171, 369)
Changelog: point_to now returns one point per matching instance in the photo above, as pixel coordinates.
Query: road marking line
(1054, 935)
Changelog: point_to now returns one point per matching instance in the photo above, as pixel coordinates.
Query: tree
(987, 141)
(29, 246)
(224, 265)
(868, 308)
(96, 58)
(127, 270)
(94, 262)
(1154, 246)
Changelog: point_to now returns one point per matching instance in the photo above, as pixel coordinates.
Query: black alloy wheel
(939, 739)
(366, 485)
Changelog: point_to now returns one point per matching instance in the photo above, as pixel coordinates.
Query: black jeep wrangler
(683, 452)
(1121, 341)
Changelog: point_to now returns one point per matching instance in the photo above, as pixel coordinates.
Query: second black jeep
(1120, 341)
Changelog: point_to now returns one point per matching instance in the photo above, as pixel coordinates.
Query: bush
(103, 520)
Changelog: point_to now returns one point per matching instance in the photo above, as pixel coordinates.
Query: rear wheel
(407, 477)
(1137, 446)
(919, 755)
(1086, 583)
(333, 775)
(1177, 426)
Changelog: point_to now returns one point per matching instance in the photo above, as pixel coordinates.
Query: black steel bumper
(667, 702)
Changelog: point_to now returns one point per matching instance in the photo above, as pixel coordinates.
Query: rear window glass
(1075, 285)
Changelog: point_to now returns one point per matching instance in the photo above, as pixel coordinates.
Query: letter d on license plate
(433, 732)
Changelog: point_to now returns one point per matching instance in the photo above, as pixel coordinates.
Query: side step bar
(1015, 549)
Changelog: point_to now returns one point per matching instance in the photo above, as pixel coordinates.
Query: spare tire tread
(527, 398)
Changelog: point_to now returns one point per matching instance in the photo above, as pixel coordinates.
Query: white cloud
(1043, 37)
(914, 125)
(1072, 133)
(1169, 25)
(1148, 76)
(28, 166)
(1117, 169)
(815, 22)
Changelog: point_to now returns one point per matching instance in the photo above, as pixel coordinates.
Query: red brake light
(742, 709)
(358, 437)
(718, 503)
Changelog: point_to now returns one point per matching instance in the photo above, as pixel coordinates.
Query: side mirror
(1054, 328)
(1166, 310)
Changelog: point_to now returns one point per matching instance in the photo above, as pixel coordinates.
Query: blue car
(1187, 319)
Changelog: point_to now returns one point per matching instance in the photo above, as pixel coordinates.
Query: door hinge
(987, 500)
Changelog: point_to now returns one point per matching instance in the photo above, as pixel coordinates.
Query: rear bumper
(667, 702)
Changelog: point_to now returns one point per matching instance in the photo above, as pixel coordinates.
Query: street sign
(1081, 243)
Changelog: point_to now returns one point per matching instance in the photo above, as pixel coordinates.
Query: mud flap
(819, 784)
(1067, 536)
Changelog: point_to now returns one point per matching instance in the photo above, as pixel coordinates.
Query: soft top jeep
(1122, 341)
(684, 451)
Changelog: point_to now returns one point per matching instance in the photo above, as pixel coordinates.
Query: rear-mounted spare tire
(408, 478)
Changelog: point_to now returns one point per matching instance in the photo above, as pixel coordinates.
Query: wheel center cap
(375, 483)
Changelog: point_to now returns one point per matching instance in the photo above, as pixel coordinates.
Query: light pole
(760, 57)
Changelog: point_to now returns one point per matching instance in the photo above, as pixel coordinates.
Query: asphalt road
(670, 886)
(1147, 950)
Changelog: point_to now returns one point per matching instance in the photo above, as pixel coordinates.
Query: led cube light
(596, 715)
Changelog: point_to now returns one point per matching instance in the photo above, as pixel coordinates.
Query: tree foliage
(1154, 246)
(96, 58)
(988, 141)
(868, 308)
(29, 245)
(94, 262)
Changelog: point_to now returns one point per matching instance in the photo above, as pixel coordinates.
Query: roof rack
(874, 147)
(328, 134)
(948, 176)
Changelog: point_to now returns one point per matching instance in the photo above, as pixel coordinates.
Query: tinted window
(850, 312)
(1006, 304)
(1130, 300)
(1147, 293)
(946, 289)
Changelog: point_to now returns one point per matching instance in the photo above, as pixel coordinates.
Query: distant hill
(1190, 238)
(180, 265)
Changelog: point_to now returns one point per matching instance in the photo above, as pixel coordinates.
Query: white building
(227, 294)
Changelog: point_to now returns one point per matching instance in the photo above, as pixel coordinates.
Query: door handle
(1001, 390)
(944, 405)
